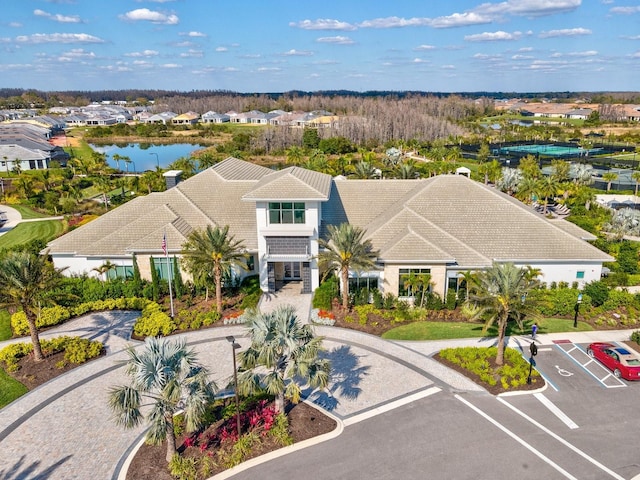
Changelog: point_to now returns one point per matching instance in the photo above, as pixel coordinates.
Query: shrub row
(50, 316)
(76, 350)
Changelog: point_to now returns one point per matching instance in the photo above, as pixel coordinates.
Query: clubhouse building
(444, 225)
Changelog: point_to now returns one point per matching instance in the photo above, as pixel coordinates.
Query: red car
(623, 362)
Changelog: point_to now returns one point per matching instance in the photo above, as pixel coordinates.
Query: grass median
(446, 330)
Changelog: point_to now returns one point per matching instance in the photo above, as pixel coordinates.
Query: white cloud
(151, 16)
(77, 54)
(144, 53)
(493, 36)
(338, 40)
(419, 60)
(526, 49)
(192, 53)
(460, 20)
(269, 69)
(625, 10)
(230, 69)
(521, 57)
(566, 32)
(587, 53)
(631, 37)
(448, 67)
(37, 38)
(221, 49)
(528, 8)
(57, 17)
(323, 24)
(170, 65)
(194, 34)
(297, 53)
(251, 55)
(421, 48)
(395, 22)
(15, 24)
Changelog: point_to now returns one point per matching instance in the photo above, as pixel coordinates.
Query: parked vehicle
(3, 219)
(621, 361)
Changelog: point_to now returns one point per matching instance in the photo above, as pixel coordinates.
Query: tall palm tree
(27, 282)
(501, 292)
(166, 377)
(548, 188)
(213, 249)
(344, 249)
(282, 350)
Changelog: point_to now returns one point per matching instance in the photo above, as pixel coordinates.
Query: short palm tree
(501, 292)
(609, 177)
(27, 282)
(344, 249)
(282, 351)
(636, 178)
(166, 377)
(215, 250)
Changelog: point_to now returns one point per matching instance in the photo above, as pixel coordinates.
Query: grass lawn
(5, 325)
(445, 330)
(25, 232)
(27, 212)
(10, 389)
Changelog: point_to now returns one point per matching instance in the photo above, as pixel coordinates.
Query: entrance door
(292, 271)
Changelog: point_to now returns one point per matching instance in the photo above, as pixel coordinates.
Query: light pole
(234, 346)
(157, 160)
(577, 309)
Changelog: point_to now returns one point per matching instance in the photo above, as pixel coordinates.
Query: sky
(281, 45)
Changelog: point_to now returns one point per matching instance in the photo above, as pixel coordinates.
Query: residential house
(188, 118)
(445, 225)
(213, 117)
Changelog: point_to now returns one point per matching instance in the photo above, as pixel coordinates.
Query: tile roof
(444, 219)
(293, 183)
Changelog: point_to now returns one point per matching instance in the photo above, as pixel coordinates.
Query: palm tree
(27, 282)
(166, 375)
(345, 249)
(636, 177)
(294, 154)
(609, 177)
(282, 350)
(418, 283)
(547, 188)
(104, 269)
(213, 249)
(501, 292)
(364, 170)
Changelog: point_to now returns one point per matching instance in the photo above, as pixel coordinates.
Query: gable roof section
(232, 169)
(293, 183)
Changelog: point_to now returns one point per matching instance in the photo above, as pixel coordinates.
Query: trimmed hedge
(51, 316)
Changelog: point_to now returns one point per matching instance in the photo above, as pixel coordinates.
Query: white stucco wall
(568, 272)
(85, 265)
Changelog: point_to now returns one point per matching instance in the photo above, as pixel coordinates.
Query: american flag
(164, 243)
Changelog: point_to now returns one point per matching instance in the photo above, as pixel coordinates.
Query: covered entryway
(282, 273)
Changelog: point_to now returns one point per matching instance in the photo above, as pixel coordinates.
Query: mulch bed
(33, 374)
(536, 382)
(304, 422)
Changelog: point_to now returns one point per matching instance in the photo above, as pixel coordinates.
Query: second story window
(286, 212)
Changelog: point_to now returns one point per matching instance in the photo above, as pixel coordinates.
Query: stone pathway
(289, 294)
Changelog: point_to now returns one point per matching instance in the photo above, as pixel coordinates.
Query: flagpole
(166, 256)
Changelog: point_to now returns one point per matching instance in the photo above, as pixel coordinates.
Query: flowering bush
(235, 318)
(322, 317)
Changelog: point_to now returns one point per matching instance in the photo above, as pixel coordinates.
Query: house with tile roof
(444, 225)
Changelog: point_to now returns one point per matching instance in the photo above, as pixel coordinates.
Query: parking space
(577, 353)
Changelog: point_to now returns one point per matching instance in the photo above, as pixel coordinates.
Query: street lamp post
(234, 346)
(577, 309)
(157, 159)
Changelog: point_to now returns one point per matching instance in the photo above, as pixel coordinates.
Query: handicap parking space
(581, 362)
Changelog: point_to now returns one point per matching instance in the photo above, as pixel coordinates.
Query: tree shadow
(22, 471)
(346, 375)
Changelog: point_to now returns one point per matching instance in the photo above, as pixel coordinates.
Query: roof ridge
(192, 203)
(409, 231)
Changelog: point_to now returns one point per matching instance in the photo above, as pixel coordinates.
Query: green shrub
(13, 352)
(154, 322)
(451, 299)
(635, 337)
(49, 316)
(183, 468)
(325, 293)
(598, 291)
(79, 350)
(251, 300)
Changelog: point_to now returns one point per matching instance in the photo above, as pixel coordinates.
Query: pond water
(145, 156)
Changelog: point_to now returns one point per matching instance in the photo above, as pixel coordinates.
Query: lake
(145, 156)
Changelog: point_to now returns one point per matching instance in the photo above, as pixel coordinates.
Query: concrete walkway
(289, 294)
(64, 429)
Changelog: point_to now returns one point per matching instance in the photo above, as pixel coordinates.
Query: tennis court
(548, 150)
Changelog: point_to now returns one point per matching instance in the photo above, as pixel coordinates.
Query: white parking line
(517, 439)
(589, 361)
(390, 406)
(563, 441)
(556, 411)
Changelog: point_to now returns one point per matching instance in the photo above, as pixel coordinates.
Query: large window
(411, 281)
(363, 283)
(286, 212)
(120, 271)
